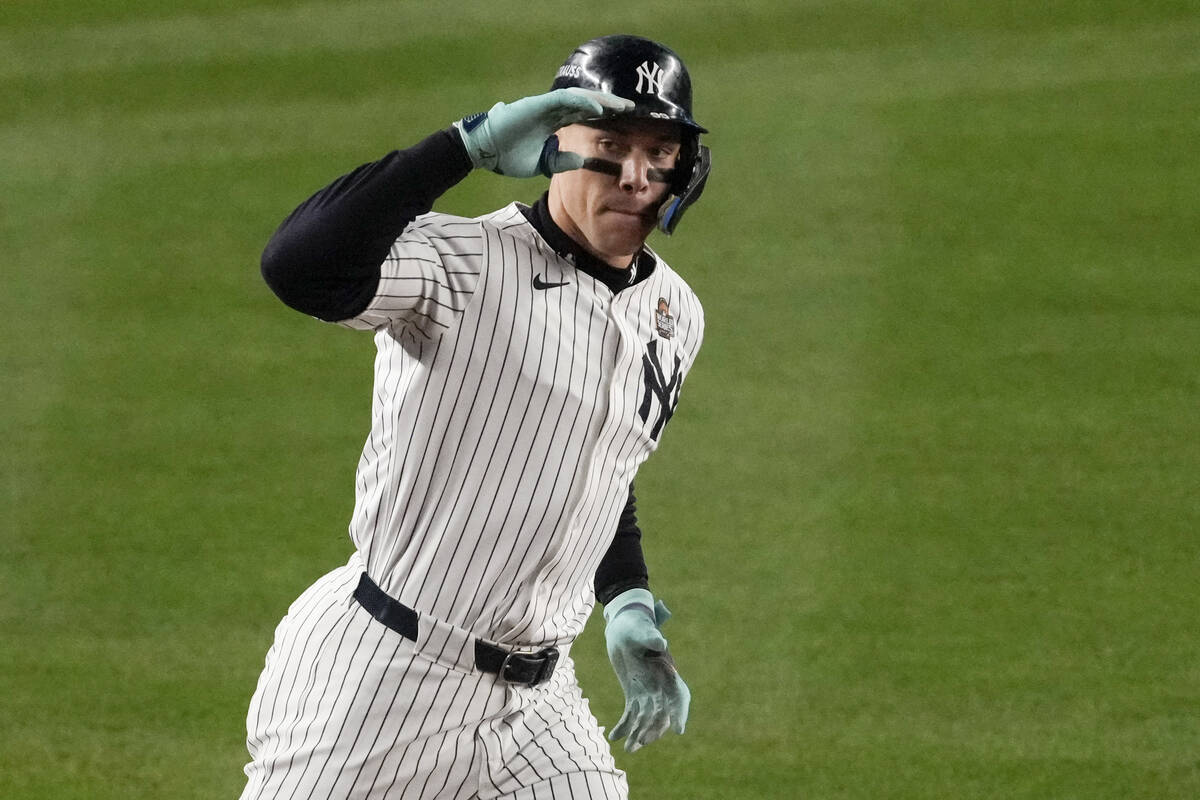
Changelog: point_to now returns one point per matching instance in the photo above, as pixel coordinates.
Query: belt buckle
(549, 660)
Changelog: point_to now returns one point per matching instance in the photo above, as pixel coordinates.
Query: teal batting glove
(656, 698)
(518, 138)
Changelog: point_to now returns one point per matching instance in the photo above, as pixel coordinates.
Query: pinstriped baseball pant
(348, 708)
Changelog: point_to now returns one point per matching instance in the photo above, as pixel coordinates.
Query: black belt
(510, 666)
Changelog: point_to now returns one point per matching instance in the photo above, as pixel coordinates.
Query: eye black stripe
(602, 165)
(613, 168)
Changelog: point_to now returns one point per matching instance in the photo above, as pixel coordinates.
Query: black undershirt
(614, 278)
(325, 259)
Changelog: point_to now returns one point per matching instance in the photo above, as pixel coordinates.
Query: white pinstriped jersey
(515, 398)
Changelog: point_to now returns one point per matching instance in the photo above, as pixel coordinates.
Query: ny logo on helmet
(650, 75)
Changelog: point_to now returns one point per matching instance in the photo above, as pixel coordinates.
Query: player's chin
(630, 229)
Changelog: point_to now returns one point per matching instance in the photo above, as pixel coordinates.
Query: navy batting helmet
(655, 79)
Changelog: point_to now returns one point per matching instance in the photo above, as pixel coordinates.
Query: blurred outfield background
(928, 515)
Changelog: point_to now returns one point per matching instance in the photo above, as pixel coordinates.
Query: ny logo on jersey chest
(658, 386)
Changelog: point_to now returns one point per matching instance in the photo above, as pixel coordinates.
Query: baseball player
(528, 361)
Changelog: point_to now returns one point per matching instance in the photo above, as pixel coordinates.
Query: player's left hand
(656, 698)
(518, 138)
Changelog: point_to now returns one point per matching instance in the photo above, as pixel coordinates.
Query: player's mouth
(641, 216)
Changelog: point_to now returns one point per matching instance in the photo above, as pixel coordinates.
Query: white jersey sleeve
(428, 277)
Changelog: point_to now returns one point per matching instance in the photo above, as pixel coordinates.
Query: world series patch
(663, 321)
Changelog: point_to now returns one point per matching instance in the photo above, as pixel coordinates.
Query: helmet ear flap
(688, 184)
(685, 165)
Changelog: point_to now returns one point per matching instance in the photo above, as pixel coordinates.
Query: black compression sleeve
(324, 259)
(623, 566)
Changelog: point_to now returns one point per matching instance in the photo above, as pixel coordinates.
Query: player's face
(610, 213)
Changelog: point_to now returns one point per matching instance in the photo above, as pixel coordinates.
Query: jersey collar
(615, 279)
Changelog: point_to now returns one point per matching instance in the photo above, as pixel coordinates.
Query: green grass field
(929, 513)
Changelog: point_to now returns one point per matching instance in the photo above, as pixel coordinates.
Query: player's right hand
(518, 138)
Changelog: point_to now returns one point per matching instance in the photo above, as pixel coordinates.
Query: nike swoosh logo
(538, 283)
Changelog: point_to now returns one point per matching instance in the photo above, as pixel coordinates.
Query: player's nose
(635, 171)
